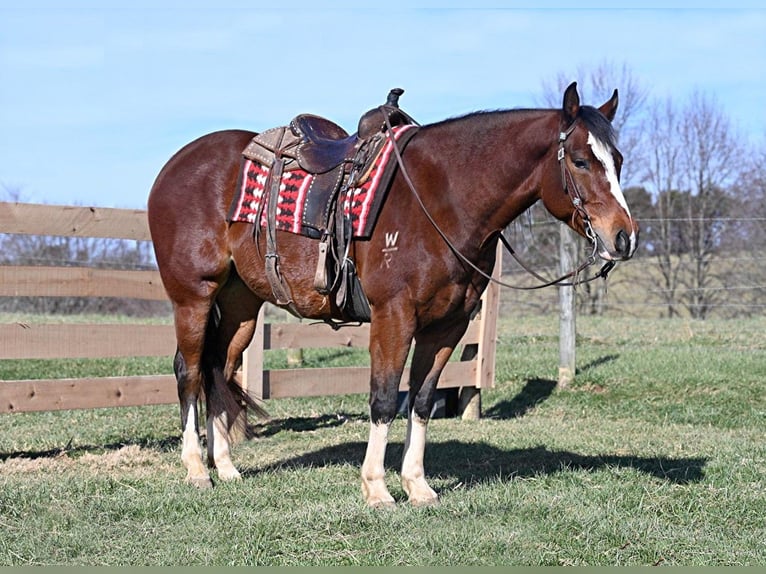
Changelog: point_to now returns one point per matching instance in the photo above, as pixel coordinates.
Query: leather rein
(570, 188)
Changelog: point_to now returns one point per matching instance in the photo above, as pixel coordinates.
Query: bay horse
(462, 181)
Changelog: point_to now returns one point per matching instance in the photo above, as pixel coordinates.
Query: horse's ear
(609, 109)
(571, 103)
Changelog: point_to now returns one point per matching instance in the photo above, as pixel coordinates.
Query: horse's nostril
(622, 243)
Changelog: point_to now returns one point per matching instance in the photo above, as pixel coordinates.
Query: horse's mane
(487, 114)
(592, 119)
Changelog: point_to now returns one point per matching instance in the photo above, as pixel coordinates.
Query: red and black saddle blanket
(302, 210)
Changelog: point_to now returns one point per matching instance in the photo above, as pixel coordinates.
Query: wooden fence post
(294, 354)
(567, 327)
(253, 381)
(470, 397)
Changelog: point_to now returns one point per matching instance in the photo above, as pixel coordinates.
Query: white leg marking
(373, 469)
(191, 453)
(218, 447)
(413, 473)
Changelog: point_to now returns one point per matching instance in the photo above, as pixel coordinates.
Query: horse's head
(583, 189)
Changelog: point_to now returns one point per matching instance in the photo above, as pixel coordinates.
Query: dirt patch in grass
(127, 457)
(25, 465)
(131, 459)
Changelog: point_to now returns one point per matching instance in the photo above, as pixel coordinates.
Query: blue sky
(95, 96)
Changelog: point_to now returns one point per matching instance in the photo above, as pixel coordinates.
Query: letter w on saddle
(314, 179)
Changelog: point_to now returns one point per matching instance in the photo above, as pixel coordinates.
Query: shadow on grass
(465, 463)
(468, 463)
(534, 392)
(301, 424)
(598, 362)
(166, 444)
(472, 463)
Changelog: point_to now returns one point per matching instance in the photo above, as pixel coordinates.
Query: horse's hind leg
(238, 311)
(191, 323)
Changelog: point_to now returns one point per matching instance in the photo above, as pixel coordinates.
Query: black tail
(222, 396)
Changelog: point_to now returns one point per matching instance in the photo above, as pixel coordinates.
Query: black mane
(592, 119)
(487, 117)
(598, 125)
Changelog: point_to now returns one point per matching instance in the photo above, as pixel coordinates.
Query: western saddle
(325, 145)
(337, 160)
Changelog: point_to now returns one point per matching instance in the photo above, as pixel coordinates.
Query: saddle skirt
(307, 200)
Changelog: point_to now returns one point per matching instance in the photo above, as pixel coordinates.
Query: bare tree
(711, 157)
(745, 239)
(662, 174)
(691, 161)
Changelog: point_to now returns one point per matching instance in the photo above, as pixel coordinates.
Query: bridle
(570, 188)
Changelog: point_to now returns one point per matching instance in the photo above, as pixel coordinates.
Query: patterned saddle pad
(303, 208)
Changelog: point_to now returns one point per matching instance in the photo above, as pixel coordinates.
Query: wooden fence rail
(79, 340)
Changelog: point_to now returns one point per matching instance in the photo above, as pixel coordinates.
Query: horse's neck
(504, 157)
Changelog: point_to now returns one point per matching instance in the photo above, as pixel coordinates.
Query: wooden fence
(78, 340)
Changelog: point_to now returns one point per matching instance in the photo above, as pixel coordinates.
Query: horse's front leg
(390, 339)
(433, 348)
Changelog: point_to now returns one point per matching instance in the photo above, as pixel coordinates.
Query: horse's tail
(222, 395)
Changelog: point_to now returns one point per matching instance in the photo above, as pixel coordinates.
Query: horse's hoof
(381, 504)
(421, 502)
(200, 482)
(419, 493)
(376, 494)
(230, 475)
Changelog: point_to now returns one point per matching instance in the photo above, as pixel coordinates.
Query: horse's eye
(581, 164)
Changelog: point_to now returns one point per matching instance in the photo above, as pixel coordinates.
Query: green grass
(655, 455)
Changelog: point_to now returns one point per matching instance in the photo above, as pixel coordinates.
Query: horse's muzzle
(621, 248)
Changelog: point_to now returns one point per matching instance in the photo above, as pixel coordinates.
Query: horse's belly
(296, 263)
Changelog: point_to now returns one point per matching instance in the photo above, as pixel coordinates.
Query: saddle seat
(325, 145)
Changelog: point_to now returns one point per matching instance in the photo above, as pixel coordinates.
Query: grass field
(655, 455)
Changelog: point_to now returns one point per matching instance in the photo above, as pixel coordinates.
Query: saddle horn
(374, 121)
(393, 97)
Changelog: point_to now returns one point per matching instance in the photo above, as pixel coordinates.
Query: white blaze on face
(603, 154)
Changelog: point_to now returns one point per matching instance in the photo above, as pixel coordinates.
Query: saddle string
(579, 209)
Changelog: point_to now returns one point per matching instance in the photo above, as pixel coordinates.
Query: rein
(577, 202)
